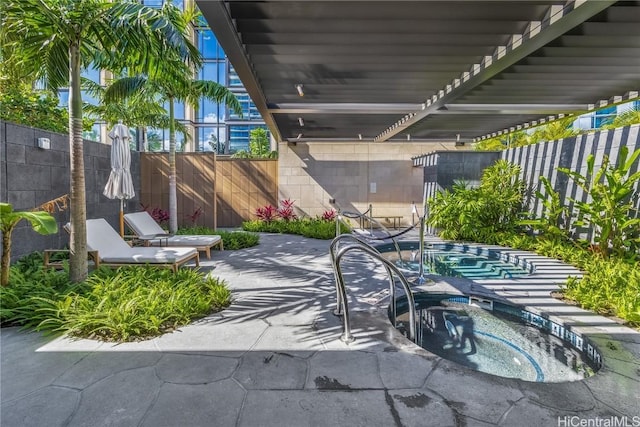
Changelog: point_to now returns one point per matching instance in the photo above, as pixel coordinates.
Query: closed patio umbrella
(120, 184)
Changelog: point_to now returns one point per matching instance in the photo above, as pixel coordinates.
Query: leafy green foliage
(231, 239)
(42, 222)
(23, 105)
(609, 210)
(315, 228)
(610, 286)
(479, 213)
(127, 304)
(627, 118)
(553, 222)
(259, 142)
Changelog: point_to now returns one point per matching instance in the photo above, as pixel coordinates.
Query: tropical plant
(231, 239)
(267, 213)
(53, 40)
(171, 80)
(259, 142)
(315, 228)
(558, 129)
(553, 222)
(127, 304)
(135, 112)
(465, 213)
(241, 154)
(329, 215)
(609, 207)
(285, 211)
(40, 219)
(626, 118)
(193, 217)
(21, 104)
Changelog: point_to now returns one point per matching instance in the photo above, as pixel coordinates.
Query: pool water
(456, 264)
(496, 342)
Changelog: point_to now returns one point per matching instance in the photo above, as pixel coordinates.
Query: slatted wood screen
(227, 191)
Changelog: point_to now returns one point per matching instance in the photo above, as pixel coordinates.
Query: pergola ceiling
(426, 70)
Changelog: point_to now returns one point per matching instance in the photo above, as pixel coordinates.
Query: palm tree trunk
(6, 255)
(78, 267)
(173, 199)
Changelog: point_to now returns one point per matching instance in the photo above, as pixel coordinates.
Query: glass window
(93, 134)
(213, 71)
(178, 109)
(238, 138)
(158, 140)
(234, 80)
(603, 116)
(63, 96)
(86, 97)
(211, 112)
(212, 139)
(208, 45)
(158, 3)
(91, 73)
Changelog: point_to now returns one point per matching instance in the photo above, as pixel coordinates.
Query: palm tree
(41, 221)
(135, 112)
(172, 81)
(55, 39)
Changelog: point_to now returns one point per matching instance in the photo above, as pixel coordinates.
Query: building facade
(211, 126)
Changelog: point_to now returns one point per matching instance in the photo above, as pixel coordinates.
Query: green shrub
(308, 227)
(23, 105)
(127, 304)
(610, 286)
(231, 239)
(477, 214)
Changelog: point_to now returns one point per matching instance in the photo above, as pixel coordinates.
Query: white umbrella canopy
(120, 184)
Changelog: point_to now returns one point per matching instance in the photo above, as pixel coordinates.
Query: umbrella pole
(122, 218)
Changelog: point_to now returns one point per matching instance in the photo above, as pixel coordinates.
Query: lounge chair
(148, 230)
(114, 251)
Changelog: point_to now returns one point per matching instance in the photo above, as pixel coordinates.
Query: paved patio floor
(274, 358)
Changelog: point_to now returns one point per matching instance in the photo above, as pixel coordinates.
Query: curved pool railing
(365, 217)
(341, 290)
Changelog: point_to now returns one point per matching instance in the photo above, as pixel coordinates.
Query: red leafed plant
(286, 210)
(329, 215)
(266, 213)
(159, 215)
(195, 215)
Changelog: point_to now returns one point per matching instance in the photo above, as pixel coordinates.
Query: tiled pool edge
(618, 344)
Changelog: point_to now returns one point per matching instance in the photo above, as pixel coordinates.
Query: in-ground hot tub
(453, 260)
(498, 338)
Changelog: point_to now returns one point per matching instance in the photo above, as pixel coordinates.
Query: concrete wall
(312, 173)
(443, 168)
(30, 176)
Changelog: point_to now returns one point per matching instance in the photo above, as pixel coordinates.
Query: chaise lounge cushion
(142, 224)
(112, 248)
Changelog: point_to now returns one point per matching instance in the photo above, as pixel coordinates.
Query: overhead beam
(218, 17)
(341, 108)
(537, 37)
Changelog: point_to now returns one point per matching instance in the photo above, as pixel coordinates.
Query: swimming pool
(456, 261)
(500, 339)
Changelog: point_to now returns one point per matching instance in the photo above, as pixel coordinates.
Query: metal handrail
(332, 253)
(391, 270)
(371, 220)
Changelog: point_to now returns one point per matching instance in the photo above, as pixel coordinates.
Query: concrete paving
(274, 358)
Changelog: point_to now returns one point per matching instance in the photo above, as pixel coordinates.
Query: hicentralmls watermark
(613, 421)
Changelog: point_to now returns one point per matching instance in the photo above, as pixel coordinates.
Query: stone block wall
(30, 176)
